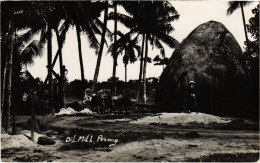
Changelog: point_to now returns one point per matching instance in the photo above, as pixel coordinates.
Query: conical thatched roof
(211, 57)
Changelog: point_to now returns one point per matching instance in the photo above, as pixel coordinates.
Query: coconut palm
(104, 29)
(10, 12)
(84, 16)
(34, 17)
(233, 5)
(115, 39)
(153, 21)
(127, 46)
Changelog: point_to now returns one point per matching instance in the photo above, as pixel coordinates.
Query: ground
(235, 140)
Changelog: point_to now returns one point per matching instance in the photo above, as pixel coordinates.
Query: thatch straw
(210, 56)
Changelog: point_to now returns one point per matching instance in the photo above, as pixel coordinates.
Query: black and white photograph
(129, 81)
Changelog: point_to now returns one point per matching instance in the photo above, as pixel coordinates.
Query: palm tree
(11, 12)
(100, 48)
(153, 20)
(115, 39)
(84, 16)
(126, 45)
(80, 53)
(60, 40)
(141, 69)
(35, 17)
(233, 5)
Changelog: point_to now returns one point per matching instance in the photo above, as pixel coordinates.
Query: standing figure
(192, 101)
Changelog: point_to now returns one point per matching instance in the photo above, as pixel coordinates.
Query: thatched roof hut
(211, 57)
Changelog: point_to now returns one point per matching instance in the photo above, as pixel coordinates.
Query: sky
(192, 14)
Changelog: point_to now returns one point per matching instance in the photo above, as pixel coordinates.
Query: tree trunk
(15, 75)
(244, 22)
(49, 51)
(125, 79)
(4, 85)
(141, 71)
(80, 53)
(32, 115)
(10, 64)
(115, 39)
(145, 64)
(248, 46)
(125, 72)
(61, 82)
(100, 50)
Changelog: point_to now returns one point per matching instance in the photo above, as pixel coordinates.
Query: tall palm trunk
(244, 22)
(62, 89)
(80, 53)
(101, 49)
(247, 42)
(10, 64)
(32, 115)
(115, 39)
(145, 64)
(141, 71)
(125, 72)
(125, 79)
(4, 84)
(61, 82)
(49, 51)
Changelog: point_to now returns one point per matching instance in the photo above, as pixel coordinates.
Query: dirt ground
(235, 141)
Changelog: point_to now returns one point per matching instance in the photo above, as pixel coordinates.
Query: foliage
(160, 61)
(233, 5)
(152, 18)
(76, 88)
(127, 45)
(253, 28)
(252, 48)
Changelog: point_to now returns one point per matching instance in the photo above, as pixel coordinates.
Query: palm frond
(93, 42)
(124, 19)
(233, 5)
(29, 53)
(173, 18)
(160, 47)
(100, 24)
(170, 41)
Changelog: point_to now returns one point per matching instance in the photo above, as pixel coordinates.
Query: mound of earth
(181, 118)
(19, 141)
(71, 111)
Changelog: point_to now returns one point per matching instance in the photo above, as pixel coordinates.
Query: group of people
(104, 102)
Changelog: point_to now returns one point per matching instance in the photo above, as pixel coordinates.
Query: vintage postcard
(129, 81)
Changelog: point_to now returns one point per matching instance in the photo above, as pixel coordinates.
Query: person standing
(192, 97)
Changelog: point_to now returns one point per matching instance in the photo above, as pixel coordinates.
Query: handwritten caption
(90, 139)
